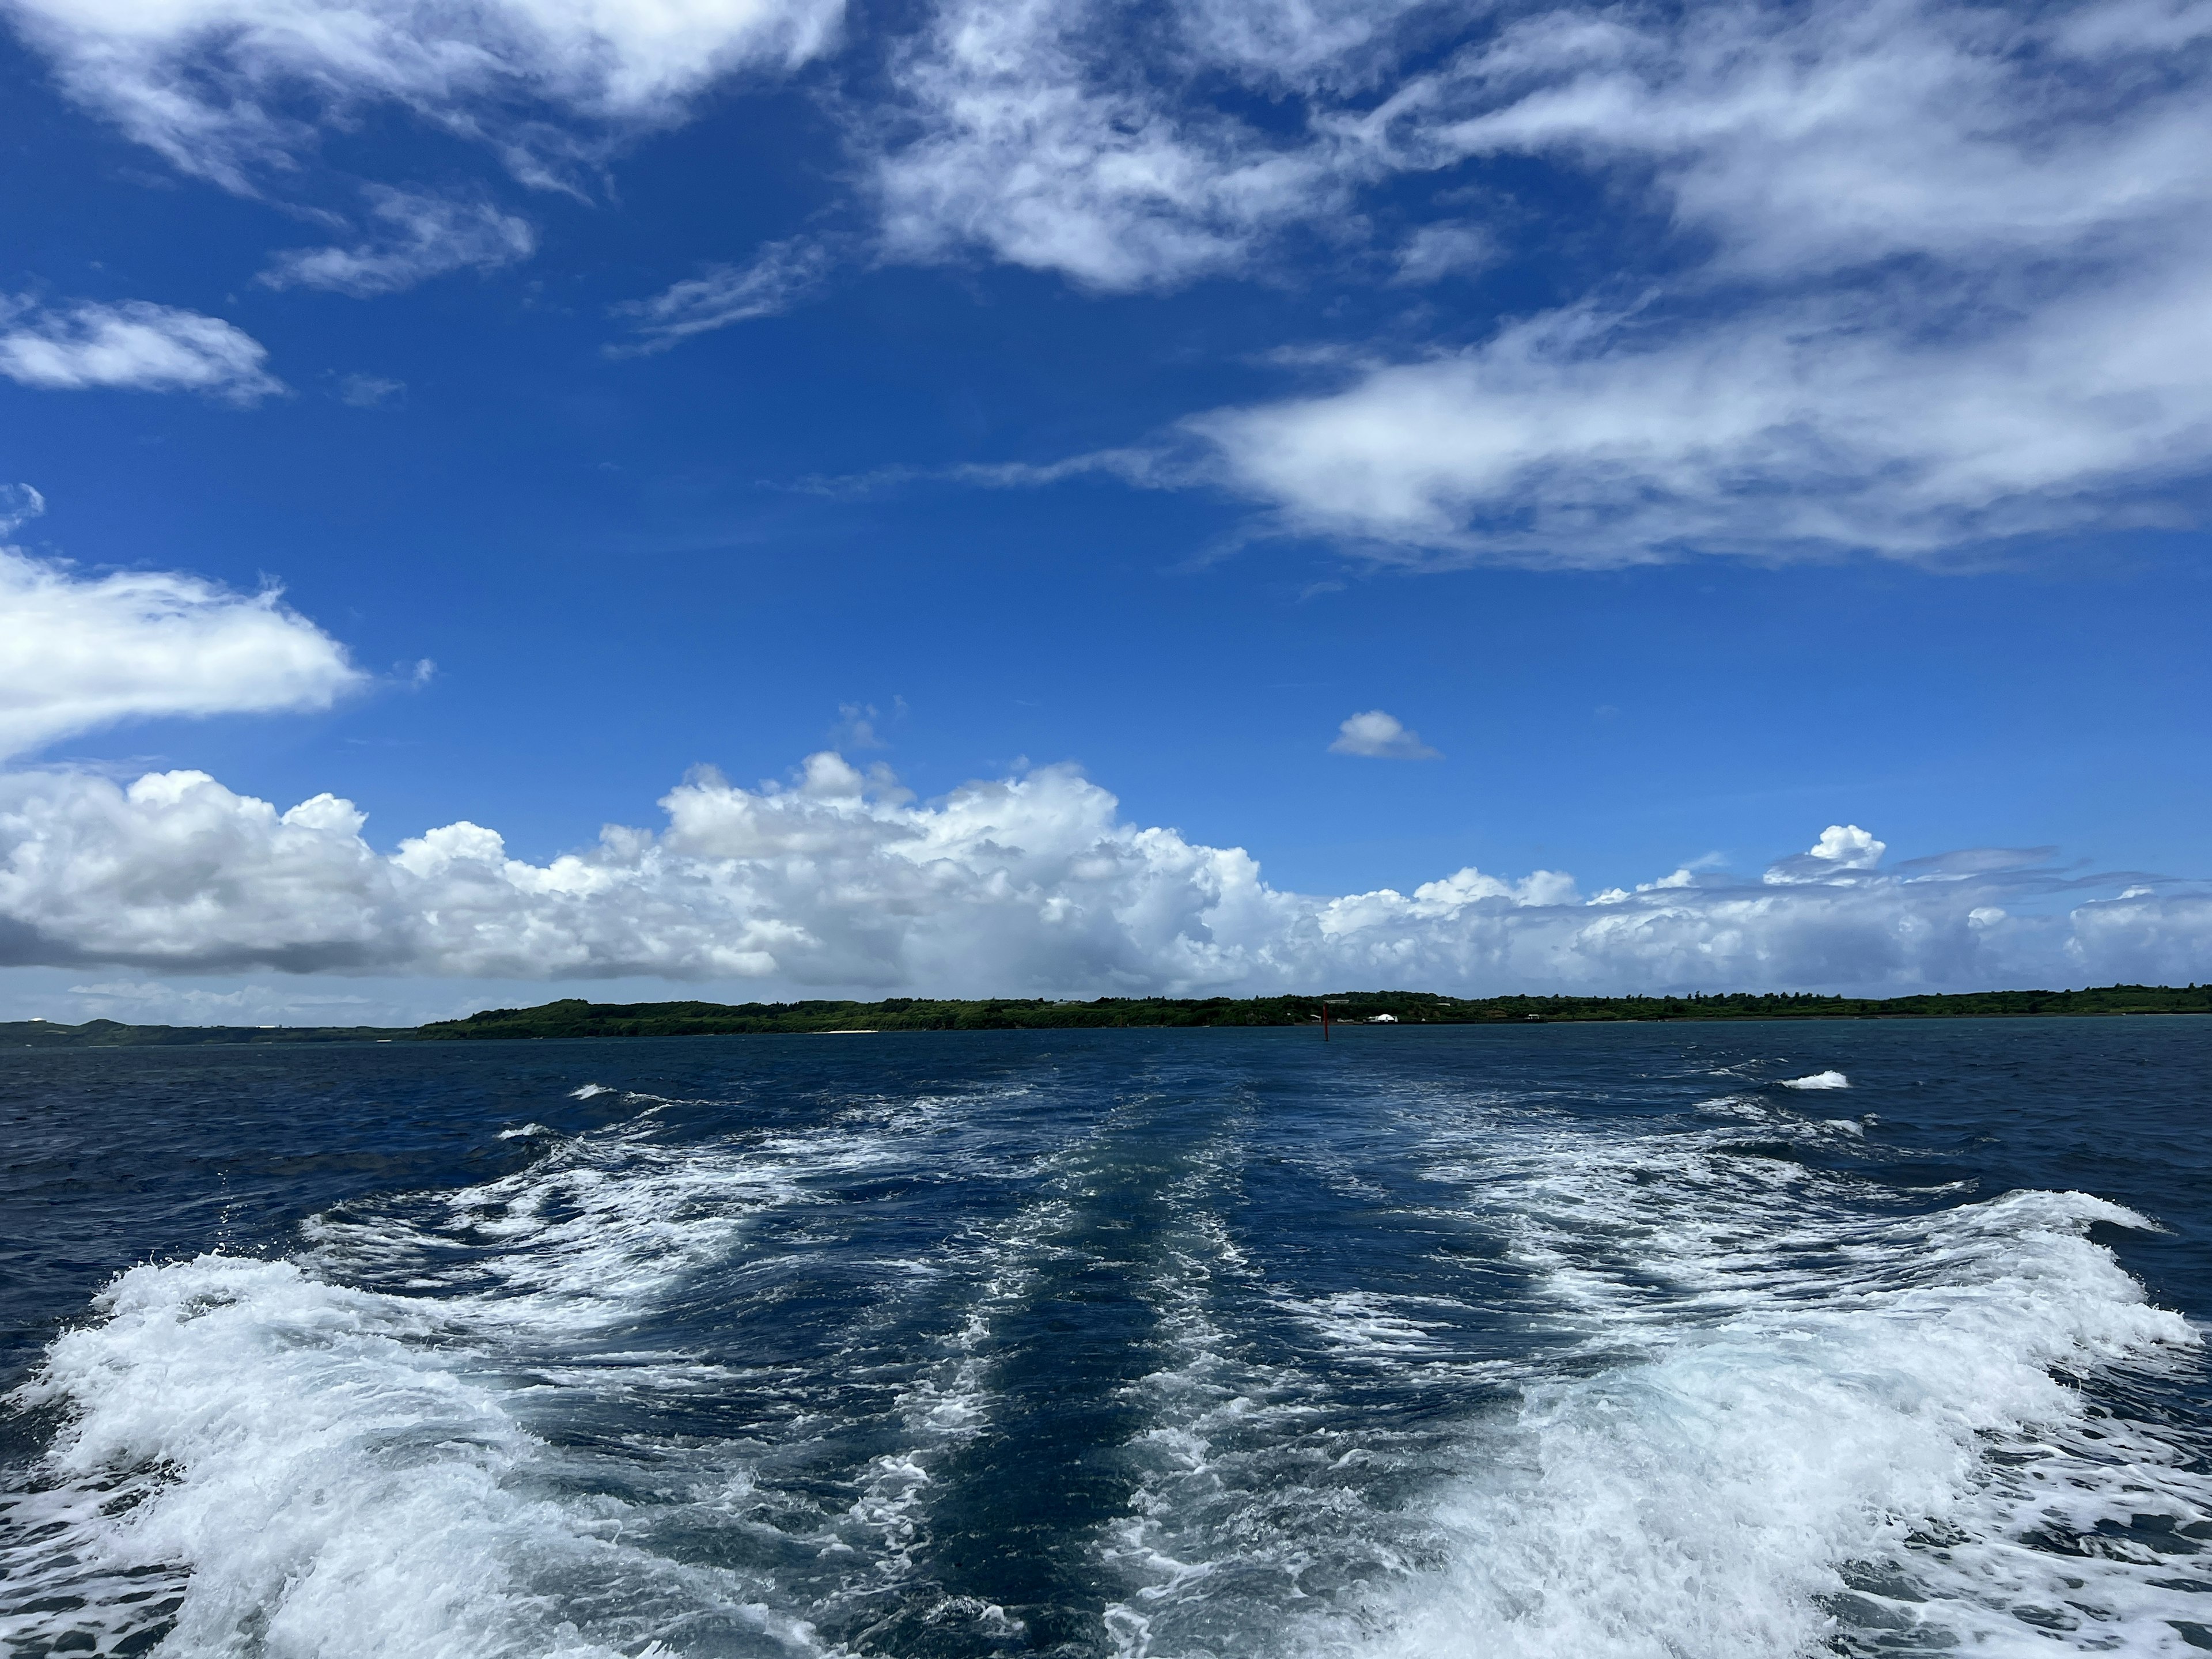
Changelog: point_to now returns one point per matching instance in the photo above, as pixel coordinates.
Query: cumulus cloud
(78, 652)
(780, 277)
(224, 87)
(1027, 883)
(423, 235)
(131, 345)
(1847, 847)
(1379, 737)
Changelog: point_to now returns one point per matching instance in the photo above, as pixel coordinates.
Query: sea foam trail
(599, 1226)
(305, 1470)
(296, 1466)
(1753, 1407)
(1801, 1424)
(1776, 1411)
(1862, 1470)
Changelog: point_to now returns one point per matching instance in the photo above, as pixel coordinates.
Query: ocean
(1554, 1341)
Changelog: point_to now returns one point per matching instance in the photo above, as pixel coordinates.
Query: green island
(574, 1017)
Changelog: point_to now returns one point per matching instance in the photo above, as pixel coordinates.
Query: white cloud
(1032, 884)
(1435, 252)
(1914, 275)
(224, 88)
(1587, 439)
(370, 392)
(1380, 736)
(1911, 275)
(131, 345)
(1112, 144)
(424, 235)
(1052, 134)
(1847, 847)
(1953, 289)
(150, 1002)
(1834, 136)
(782, 275)
(79, 653)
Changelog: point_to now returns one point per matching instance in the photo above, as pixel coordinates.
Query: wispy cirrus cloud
(1580, 438)
(1909, 278)
(1068, 135)
(234, 90)
(371, 391)
(131, 345)
(1952, 290)
(780, 276)
(420, 235)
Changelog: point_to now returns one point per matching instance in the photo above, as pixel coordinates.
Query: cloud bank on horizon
(1028, 884)
(1912, 278)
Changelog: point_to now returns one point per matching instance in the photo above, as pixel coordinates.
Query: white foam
(599, 1227)
(1747, 1108)
(1799, 1418)
(590, 1092)
(313, 1471)
(294, 1467)
(1777, 1411)
(1365, 1324)
(1819, 1081)
(1718, 1498)
(1789, 1416)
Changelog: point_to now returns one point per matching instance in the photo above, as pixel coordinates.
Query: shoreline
(576, 1018)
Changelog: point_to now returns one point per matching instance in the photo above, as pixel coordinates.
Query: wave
(1819, 1081)
(1761, 1417)
(1878, 1469)
(299, 1468)
(260, 1457)
(1759, 1407)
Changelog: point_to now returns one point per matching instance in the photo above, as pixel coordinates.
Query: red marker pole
(1324, 1021)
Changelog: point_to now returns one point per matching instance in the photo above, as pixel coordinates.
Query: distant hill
(574, 1017)
(112, 1033)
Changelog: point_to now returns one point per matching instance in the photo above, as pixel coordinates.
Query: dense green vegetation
(577, 1018)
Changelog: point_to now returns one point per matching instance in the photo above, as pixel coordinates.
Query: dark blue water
(1565, 1340)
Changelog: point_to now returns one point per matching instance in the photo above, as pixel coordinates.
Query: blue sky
(1700, 429)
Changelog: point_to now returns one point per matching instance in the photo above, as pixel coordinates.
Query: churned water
(1570, 1341)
